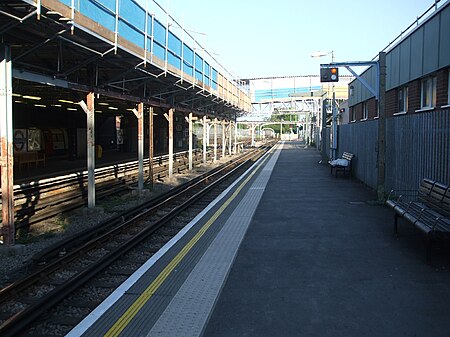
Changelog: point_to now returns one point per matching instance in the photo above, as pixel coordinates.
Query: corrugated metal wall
(361, 140)
(419, 54)
(417, 147)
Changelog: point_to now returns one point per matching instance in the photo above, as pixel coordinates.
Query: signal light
(329, 74)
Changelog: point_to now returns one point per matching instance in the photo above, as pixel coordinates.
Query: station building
(409, 142)
(417, 71)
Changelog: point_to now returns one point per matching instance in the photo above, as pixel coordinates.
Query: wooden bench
(343, 164)
(27, 158)
(427, 209)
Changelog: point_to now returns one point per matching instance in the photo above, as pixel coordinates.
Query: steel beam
(6, 133)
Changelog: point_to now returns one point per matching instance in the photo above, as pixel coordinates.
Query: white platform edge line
(89, 320)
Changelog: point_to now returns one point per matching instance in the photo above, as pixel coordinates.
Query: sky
(264, 38)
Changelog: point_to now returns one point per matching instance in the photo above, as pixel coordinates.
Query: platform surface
(295, 252)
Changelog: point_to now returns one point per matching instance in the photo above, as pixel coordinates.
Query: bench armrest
(403, 195)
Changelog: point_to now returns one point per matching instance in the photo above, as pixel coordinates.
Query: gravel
(16, 259)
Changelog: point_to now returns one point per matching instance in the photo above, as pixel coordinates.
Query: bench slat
(430, 212)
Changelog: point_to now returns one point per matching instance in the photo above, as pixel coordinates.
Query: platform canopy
(63, 49)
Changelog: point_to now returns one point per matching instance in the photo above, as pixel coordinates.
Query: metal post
(205, 127)
(224, 143)
(139, 113)
(235, 137)
(6, 132)
(252, 134)
(190, 141)
(324, 131)
(170, 119)
(215, 139)
(334, 127)
(381, 127)
(150, 146)
(89, 110)
(230, 152)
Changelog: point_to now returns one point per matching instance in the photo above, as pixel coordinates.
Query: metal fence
(417, 147)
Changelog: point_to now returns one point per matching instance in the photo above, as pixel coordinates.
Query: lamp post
(334, 112)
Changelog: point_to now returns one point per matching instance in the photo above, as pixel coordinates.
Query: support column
(169, 118)
(230, 126)
(89, 110)
(215, 139)
(235, 137)
(190, 120)
(224, 141)
(205, 128)
(324, 132)
(252, 128)
(7, 159)
(139, 113)
(150, 146)
(381, 127)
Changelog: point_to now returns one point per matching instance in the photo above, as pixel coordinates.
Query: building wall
(422, 53)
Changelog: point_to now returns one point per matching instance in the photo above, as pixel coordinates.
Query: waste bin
(98, 151)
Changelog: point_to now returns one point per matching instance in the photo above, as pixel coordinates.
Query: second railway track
(79, 273)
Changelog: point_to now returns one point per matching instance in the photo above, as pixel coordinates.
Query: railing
(417, 147)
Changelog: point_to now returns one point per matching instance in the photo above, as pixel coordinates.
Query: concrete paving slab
(320, 259)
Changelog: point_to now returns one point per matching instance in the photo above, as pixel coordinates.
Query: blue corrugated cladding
(188, 60)
(214, 79)
(131, 26)
(131, 12)
(132, 22)
(159, 40)
(207, 73)
(174, 46)
(198, 68)
(281, 92)
(100, 12)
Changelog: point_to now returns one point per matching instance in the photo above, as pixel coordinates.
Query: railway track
(73, 278)
(39, 200)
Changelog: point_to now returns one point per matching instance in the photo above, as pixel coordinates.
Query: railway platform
(289, 250)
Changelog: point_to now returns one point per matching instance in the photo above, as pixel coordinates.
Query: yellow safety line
(133, 310)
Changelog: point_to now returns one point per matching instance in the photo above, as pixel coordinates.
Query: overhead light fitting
(36, 98)
(65, 101)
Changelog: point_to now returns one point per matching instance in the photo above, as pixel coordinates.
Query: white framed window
(353, 114)
(403, 99)
(365, 111)
(428, 92)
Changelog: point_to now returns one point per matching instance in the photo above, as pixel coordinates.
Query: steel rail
(22, 319)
